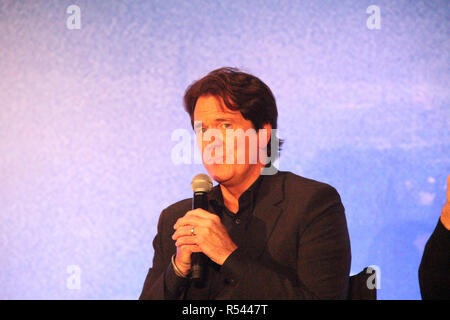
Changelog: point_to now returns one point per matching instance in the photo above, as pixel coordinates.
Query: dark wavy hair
(240, 91)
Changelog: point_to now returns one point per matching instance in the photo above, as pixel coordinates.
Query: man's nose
(215, 143)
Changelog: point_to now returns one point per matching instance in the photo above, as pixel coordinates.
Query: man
(277, 236)
(434, 276)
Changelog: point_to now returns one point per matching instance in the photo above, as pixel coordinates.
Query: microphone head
(201, 183)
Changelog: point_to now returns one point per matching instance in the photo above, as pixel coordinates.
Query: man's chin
(221, 173)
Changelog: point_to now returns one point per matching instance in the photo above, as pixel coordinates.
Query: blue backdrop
(91, 95)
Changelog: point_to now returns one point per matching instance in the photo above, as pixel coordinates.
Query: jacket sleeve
(323, 258)
(161, 282)
(434, 276)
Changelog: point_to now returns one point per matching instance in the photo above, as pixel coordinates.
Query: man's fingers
(203, 214)
(185, 231)
(191, 248)
(186, 240)
(197, 217)
(182, 231)
(187, 221)
(200, 213)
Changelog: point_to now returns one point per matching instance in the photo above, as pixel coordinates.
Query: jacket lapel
(265, 215)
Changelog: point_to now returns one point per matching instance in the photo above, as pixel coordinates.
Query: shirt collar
(247, 198)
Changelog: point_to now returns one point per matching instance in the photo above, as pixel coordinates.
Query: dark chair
(362, 285)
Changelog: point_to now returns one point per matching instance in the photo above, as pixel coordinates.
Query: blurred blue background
(86, 118)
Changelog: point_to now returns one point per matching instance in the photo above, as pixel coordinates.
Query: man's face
(212, 122)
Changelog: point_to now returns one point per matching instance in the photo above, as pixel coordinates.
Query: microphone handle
(200, 200)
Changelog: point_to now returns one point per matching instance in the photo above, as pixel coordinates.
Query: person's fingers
(185, 231)
(183, 257)
(190, 248)
(182, 231)
(188, 220)
(201, 213)
(197, 217)
(186, 240)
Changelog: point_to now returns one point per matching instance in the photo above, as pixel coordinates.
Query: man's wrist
(177, 270)
(235, 265)
(226, 255)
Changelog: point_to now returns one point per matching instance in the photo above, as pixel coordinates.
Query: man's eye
(198, 129)
(226, 125)
(202, 130)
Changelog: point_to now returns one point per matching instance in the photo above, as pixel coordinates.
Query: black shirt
(236, 225)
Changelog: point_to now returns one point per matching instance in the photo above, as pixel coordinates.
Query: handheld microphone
(201, 184)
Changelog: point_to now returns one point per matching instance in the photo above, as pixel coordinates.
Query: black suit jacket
(297, 246)
(434, 276)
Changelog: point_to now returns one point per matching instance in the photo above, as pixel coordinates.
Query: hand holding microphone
(200, 231)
